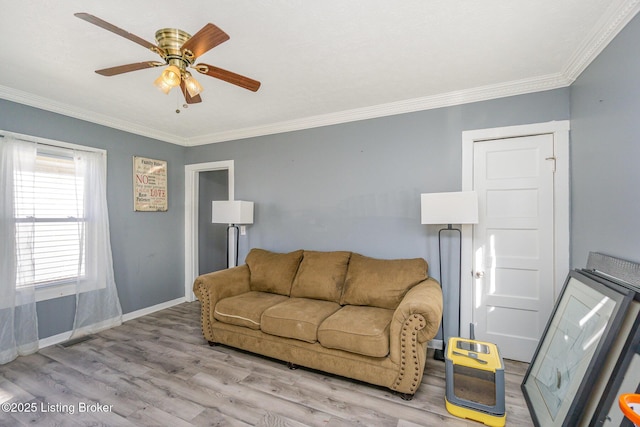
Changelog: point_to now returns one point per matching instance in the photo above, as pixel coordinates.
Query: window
(49, 220)
(55, 235)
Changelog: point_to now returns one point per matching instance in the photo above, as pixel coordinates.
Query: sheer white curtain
(21, 202)
(18, 318)
(97, 303)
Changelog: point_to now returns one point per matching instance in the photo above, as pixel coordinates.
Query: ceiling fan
(179, 50)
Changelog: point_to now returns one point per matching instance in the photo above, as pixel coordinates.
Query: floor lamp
(459, 207)
(234, 213)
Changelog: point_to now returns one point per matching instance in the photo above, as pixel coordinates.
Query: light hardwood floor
(157, 370)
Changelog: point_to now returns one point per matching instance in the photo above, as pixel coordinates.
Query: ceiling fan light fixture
(162, 85)
(178, 50)
(171, 76)
(193, 86)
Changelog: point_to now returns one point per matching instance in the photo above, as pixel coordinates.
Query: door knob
(479, 274)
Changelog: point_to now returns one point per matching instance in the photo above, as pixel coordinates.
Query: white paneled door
(513, 244)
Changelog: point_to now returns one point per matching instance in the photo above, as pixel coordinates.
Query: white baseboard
(152, 309)
(60, 338)
(53, 340)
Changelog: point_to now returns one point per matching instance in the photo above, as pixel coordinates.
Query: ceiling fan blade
(128, 67)
(228, 76)
(119, 31)
(190, 99)
(207, 38)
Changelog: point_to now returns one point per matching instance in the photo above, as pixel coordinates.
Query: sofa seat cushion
(321, 275)
(358, 329)
(273, 272)
(297, 318)
(246, 309)
(381, 282)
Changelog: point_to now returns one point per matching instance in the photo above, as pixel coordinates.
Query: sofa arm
(223, 283)
(212, 287)
(425, 300)
(417, 318)
(415, 321)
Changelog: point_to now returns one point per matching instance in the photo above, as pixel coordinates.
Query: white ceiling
(319, 62)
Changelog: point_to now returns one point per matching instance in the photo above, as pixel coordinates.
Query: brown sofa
(338, 312)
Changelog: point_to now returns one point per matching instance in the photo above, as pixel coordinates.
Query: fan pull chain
(185, 105)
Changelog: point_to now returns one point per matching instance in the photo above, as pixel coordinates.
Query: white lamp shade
(231, 212)
(460, 207)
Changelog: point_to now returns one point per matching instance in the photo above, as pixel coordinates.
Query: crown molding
(448, 99)
(484, 93)
(609, 25)
(78, 113)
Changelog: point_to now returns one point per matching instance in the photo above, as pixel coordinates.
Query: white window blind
(50, 221)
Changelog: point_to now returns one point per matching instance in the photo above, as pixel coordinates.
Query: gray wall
(148, 248)
(605, 152)
(357, 186)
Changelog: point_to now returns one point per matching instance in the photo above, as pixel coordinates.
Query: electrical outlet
(243, 230)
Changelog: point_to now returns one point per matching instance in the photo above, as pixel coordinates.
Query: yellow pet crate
(475, 381)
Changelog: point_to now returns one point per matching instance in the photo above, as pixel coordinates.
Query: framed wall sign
(578, 336)
(149, 185)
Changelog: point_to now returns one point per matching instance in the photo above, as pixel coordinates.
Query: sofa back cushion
(381, 282)
(321, 275)
(272, 272)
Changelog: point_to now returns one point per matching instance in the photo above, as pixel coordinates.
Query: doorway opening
(193, 213)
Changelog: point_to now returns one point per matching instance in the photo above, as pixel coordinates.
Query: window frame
(63, 287)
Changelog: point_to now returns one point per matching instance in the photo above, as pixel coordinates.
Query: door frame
(561, 201)
(191, 203)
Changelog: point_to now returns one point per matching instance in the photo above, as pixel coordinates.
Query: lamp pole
(458, 207)
(439, 354)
